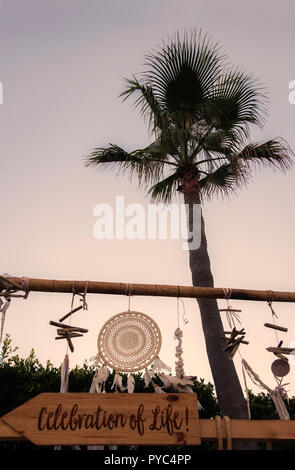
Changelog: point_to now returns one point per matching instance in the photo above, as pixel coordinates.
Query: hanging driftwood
(275, 327)
(281, 350)
(233, 341)
(70, 327)
(71, 313)
(72, 335)
(67, 332)
(230, 309)
(280, 368)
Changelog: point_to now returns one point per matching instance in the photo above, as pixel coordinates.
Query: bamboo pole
(120, 288)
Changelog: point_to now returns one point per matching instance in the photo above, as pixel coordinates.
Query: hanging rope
(219, 432)
(11, 287)
(277, 395)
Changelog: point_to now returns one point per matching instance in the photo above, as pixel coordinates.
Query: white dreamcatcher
(128, 342)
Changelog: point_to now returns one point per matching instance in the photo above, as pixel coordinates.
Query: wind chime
(236, 337)
(280, 368)
(68, 332)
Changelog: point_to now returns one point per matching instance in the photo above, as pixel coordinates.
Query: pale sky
(61, 66)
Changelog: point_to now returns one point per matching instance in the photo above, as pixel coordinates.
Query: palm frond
(115, 158)
(149, 105)
(163, 190)
(148, 163)
(274, 152)
(183, 72)
(236, 101)
(227, 179)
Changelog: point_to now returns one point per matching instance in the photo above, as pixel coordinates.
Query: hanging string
(184, 319)
(231, 315)
(273, 313)
(129, 293)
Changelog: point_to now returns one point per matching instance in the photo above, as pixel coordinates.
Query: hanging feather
(159, 365)
(64, 379)
(117, 383)
(95, 385)
(130, 383)
(166, 380)
(96, 360)
(147, 378)
(103, 374)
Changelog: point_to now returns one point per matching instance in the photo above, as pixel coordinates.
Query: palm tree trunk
(228, 389)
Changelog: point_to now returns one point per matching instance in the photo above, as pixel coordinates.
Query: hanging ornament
(278, 395)
(280, 367)
(236, 337)
(129, 342)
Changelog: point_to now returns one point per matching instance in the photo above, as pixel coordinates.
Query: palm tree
(199, 110)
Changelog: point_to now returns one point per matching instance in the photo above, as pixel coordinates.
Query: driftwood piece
(227, 339)
(229, 310)
(72, 335)
(233, 351)
(68, 338)
(71, 313)
(72, 328)
(275, 327)
(239, 332)
(234, 343)
(285, 359)
(61, 331)
(281, 350)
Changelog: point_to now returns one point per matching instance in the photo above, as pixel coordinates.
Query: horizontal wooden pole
(251, 430)
(244, 430)
(120, 288)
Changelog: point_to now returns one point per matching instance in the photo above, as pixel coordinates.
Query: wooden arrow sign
(105, 419)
